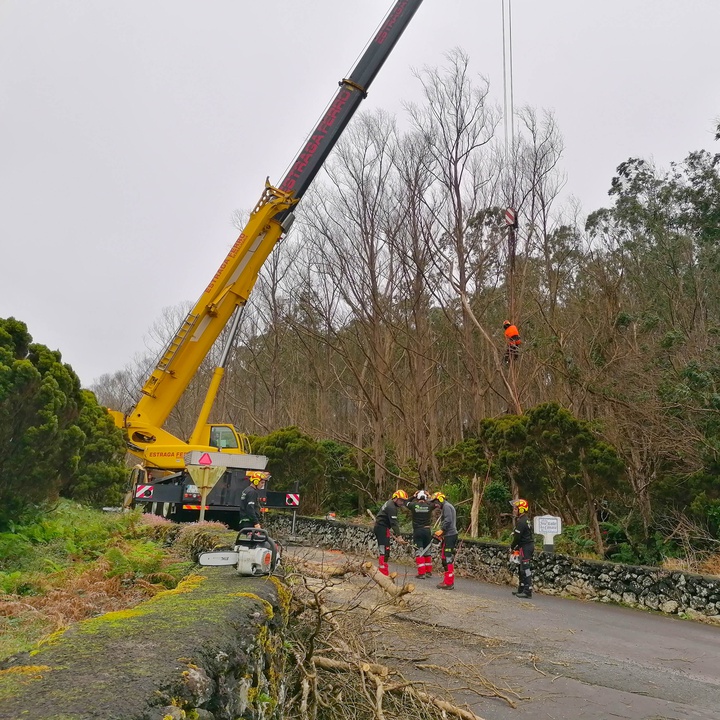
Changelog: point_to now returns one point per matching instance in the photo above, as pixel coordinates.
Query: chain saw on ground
(254, 553)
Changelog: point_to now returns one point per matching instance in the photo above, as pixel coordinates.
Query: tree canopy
(54, 438)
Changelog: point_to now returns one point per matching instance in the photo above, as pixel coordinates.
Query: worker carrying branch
(512, 336)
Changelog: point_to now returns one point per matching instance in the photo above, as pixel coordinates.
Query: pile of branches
(335, 645)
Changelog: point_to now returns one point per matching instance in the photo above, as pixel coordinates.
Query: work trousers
(525, 568)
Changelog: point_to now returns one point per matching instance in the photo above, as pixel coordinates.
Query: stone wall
(681, 593)
(212, 649)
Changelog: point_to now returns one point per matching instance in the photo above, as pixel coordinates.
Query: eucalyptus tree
(658, 342)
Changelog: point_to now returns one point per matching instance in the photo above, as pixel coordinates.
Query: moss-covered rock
(211, 645)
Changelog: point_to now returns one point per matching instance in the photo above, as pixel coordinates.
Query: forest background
(371, 353)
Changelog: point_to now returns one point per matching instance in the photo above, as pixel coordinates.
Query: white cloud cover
(130, 132)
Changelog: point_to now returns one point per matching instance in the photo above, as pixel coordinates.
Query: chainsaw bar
(217, 558)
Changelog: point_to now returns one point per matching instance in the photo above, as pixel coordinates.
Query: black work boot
(526, 594)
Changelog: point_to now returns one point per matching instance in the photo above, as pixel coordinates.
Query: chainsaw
(254, 553)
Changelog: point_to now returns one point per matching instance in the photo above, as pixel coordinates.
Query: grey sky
(130, 131)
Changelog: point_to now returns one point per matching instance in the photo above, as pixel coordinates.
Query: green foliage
(575, 540)
(345, 484)
(706, 510)
(325, 472)
(498, 494)
(39, 405)
(101, 472)
(52, 435)
(556, 460)
(139, 560)
(67, 534)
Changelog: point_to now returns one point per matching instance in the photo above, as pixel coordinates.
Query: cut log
(323, 571)
(395, 591)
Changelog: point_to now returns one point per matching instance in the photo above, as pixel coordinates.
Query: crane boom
(234, 280)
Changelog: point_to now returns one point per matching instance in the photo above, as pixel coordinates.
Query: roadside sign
(511, 217)
(292, 499)
(548, 526)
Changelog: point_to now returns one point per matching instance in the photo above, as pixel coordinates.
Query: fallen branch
(377, 672)
(442, 704)
(324, 571)
(342, 666)
(385, 582)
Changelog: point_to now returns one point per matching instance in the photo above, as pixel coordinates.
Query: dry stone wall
(213, 649)
(695, 596)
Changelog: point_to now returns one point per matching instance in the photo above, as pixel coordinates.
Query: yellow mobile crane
(169, 468)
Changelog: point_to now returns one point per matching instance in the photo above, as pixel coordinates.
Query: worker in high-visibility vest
(512, 336)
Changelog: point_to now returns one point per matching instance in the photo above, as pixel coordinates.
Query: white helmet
(421, 495)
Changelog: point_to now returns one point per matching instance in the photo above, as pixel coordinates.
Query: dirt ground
(547, 658)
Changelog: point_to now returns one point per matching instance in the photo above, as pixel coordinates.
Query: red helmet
(506, 323)
(400, 495)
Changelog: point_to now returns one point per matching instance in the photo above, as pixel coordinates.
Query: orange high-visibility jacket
(512, 335)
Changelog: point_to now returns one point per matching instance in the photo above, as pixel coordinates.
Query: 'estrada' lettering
(233, 252)
(316, 140)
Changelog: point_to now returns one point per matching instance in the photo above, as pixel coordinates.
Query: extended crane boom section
(352, 91)
(232, 284)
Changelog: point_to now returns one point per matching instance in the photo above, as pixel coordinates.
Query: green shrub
(138, 560)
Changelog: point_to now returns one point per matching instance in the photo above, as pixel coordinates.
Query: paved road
(558, 658)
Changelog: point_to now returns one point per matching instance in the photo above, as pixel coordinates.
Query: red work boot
(420, 562)
(448, 582)
(383, 566)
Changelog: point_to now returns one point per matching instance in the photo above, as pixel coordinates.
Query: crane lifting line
(508, 93)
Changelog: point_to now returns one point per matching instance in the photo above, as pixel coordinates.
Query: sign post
(205, 475)
(548, 526)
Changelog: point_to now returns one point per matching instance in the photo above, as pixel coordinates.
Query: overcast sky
(130, 131)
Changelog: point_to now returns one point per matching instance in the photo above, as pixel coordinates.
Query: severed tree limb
(385, 582)
(324, 571)
(341, 666)
(376, 672)
(305, 697)
(442, 704)
(379, 693)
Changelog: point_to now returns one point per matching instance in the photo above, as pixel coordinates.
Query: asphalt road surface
(552, 658)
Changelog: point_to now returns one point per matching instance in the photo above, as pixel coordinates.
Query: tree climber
(512, 336)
